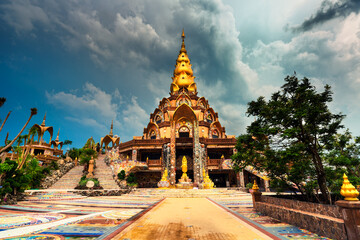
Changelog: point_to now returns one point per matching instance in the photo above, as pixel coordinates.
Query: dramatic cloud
(96, 108)
(330, 10)
(124, 37)
(22, 15)
(325, 56)
(114, 59)
(134, 117)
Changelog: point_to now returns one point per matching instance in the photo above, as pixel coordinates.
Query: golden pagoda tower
(183, 73)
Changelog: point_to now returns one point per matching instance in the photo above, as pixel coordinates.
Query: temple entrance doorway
(219, 179)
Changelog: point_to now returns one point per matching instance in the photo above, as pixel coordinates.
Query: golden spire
(183, 50)
(57, 137)
(111, 128)
(183, 73)
(43, 123)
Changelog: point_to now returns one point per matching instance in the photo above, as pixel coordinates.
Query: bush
(83, 181)
(46, 170)
(17, 180)
(121, 175)
(54, 165)
(131, 178)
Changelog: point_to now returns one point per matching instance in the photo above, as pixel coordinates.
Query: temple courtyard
(142, 214)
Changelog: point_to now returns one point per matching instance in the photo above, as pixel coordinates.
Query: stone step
(70, 179)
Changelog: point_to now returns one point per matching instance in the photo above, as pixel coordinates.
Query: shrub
(121, 175)
(131, 178)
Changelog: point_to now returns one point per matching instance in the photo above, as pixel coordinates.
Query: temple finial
(111, 128)
(183, 50)
(43, 123)
(57, 137)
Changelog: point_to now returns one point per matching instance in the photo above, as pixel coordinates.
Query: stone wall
(323, 209)
(93, 193)
(55, 175)
(325, 220)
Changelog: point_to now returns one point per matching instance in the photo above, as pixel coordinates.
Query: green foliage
(54, 165)
(83, 181)
(90, 143)
(131, 178)
(46, 171)
(83, 154)
(2, 101)
(17, 180)
(249, 185)
(35, 172)
(343, 156)
(67, 142)
(121, 175)
(289, 135)
(74, 153)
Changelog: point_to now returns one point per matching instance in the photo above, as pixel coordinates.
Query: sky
(86, 63)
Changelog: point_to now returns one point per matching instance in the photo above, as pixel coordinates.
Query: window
(215, 134)
(152, 134)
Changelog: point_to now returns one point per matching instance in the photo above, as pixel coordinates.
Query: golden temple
(183, 126)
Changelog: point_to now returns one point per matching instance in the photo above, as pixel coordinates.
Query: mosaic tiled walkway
(48, 216)
(243, 207)
(209, 214)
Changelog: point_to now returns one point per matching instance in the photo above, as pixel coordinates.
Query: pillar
(267, 185)
(196, 157)
(351, 214)
(172, 154)
(241, 179)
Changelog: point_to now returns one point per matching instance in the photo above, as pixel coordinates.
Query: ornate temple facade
(183, 124)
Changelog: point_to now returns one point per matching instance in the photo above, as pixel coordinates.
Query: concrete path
(190, 219)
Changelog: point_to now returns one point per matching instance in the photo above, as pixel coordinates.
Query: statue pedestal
(163, 184)
(184, 182)
(185, 185)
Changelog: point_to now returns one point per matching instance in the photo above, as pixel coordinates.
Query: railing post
(350, 209)
(256, 194)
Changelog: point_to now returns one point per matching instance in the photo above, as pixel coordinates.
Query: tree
(290, 133)
(2, 101)
(67, 142)
(343, 156)
(32, 113)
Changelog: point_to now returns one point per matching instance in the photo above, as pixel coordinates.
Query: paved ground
(190, 218)
(143, 214)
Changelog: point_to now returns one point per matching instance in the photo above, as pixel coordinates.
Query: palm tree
(33, 112)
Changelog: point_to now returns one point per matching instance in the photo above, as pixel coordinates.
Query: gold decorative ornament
(348, 190)
(255, 187)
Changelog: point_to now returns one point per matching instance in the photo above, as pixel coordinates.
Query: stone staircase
(70, 179)
(188, 193)
(104, 174)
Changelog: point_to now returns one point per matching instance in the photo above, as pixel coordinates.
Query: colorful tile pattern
(244, 208)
